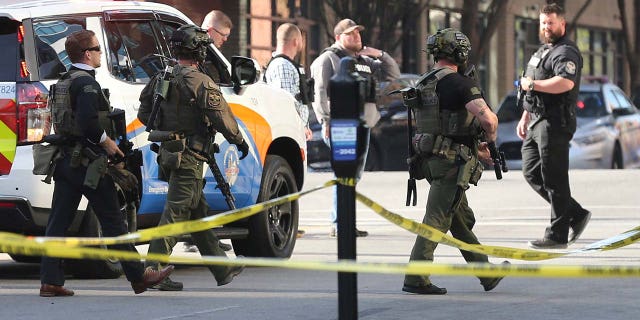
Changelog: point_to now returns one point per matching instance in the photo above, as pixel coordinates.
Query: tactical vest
(532, 102)
(305, 96)
(362, 68)
(62, 113)
(180, 112)
(430, 119)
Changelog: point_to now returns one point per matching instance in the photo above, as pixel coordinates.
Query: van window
(49, 36)
(10, 47)
(133, 50)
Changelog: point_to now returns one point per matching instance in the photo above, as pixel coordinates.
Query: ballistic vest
(62, 113)
(430, 119)
(305, 96)
(363, 69)
(180, 111)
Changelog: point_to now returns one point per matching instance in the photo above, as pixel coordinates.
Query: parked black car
(388, 143)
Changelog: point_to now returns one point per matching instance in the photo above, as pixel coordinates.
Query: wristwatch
(531, 84)
(382, 54)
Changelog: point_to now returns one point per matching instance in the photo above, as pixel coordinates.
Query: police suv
(133, 37)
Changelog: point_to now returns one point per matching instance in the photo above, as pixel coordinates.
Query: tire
(93, 269)
(272, 233)
(616, 161)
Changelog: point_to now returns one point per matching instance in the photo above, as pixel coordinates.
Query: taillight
(34, 115)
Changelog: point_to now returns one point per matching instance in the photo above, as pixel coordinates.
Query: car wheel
(272, 233)
(93, 269)
(617, 161)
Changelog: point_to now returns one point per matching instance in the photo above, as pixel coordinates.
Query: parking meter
(349, 137)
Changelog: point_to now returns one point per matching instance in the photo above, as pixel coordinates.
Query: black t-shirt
(454, 92)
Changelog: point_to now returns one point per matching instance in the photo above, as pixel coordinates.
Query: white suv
(134, 36)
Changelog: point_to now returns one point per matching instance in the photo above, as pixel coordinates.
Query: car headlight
(591, 137)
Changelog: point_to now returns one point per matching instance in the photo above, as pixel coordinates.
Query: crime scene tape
(185, 227)
(18, 244)
(624, 239)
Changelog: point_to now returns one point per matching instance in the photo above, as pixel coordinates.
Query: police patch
(570, 67)
(214, 98)
(475, 91)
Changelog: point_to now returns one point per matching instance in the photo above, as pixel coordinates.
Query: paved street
(508, 213)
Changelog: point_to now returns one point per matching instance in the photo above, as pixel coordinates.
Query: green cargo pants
(185, 201)
(447, 209)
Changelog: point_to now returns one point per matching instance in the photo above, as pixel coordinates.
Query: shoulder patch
(570, 67)
(475, 91)
(214, 97)
(89, 89)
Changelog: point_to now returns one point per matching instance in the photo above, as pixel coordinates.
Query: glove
(244, 149)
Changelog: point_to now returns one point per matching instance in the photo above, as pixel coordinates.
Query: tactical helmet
(449, 43)
(190, 40)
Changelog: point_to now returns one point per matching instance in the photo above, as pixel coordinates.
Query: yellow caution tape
(17, 244)
(184, 227)
(435, 235)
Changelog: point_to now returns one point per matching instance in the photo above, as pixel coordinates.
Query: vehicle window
(9, 52)
(49, 36)
(133, 50)
(590, 105)
(624, 105)
(509, 110)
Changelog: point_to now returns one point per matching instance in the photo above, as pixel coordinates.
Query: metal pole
(347, 281)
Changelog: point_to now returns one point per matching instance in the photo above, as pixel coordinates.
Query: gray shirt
(327, 64)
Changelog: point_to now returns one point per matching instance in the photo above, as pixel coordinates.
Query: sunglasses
(224, 35)
(96, 48)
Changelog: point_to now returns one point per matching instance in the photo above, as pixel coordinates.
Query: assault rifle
(205, 153)
(499, 164)
(119, 123)
(410, 98)
(161, 91)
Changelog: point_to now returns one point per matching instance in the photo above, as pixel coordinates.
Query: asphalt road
(508, 213)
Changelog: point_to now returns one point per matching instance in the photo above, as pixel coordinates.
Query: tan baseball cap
(346, 26)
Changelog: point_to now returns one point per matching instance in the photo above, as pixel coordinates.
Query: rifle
(222, 184)
(117, 117)
(499, 164)
(161, 91)
(410, 98)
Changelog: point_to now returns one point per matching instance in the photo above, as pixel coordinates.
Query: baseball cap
(346, 26)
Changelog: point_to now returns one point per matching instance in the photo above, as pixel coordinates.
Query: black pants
(68, 191)
(545, 165)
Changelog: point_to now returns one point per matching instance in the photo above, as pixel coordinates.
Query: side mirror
(244, 71)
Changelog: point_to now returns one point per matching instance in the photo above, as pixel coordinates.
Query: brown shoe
(50, 290)
(150, 278)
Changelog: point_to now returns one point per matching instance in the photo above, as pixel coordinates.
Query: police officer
(370, 62)
(194, 110)
(551, 83)
(450, 116)
(80, 112)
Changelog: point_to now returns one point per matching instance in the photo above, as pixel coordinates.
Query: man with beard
(550, 88)
(369, 61)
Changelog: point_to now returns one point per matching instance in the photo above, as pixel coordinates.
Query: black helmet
(190, 41)
(451, 44)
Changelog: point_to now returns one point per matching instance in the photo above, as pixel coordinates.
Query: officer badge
(570, 67)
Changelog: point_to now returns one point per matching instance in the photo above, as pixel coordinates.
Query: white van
(134, 36)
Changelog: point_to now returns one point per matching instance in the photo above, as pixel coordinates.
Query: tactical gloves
(243, 148)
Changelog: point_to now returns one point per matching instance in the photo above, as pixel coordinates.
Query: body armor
(363, 69)
(180, 112)
(305, 96)
(62, 113)
(430, 119)
(532, 102)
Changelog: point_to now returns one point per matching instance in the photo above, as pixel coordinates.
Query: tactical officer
(193, 112)
(551, 83)
(450, 116)
(80, 112)
(369, 62)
